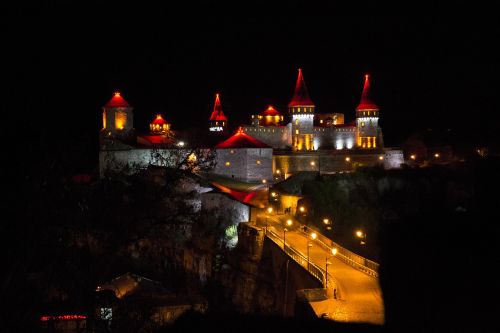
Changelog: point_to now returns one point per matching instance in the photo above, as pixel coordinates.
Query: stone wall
(335, 161)
(245, 164)
(274, 136)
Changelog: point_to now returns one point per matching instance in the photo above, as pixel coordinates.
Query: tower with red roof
(159, 126)
(302, 111)
(117, 123)
(218, 120)
(367, 114)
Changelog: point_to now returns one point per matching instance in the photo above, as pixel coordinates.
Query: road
(359, 296)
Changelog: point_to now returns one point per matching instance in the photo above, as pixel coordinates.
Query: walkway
(359, 297)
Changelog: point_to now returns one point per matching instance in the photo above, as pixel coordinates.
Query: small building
(134, 297)
(244, 158)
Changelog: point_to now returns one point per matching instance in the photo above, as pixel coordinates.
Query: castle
(266, 151)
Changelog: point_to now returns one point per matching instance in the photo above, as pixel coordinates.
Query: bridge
(350, 282)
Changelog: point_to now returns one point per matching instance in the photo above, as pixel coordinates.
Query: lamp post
(327, 222)
(362, 236)
(313, 237)
(289, 224)
(334, 252)
(269, 210)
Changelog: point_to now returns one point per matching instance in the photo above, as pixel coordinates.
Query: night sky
(65, 60)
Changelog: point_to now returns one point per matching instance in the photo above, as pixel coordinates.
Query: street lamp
(334, 252)
(362, 236)
(313, 237)
(269, 210)
(308, 246)
(289, 224)
(327, 222)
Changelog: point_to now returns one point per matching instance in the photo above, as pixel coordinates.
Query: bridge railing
(365, 265)
(313, 269)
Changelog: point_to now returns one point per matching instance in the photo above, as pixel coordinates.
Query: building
(270, 149)
(311, 131)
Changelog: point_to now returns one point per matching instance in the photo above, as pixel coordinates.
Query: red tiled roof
(270, 111)
(217, 113)
(159, 120)
(153, 140)
(300, 96)
(366, 103)
(117, 101)
(241, 140)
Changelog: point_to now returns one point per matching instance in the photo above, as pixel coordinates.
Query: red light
(62, 317)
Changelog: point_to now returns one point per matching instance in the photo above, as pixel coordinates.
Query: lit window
(228, 164)
(296, 131)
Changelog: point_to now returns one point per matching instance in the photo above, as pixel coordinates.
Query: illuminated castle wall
(265, 151)
(330, 132)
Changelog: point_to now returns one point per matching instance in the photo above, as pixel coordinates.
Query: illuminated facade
(266, 151)
(310, 131)
(217, 121)
(159, 126)
(117, 122)
(368, 134)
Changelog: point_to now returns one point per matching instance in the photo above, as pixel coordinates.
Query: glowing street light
(347, 159)
(313, 163)
(313, 236)
(361, 235)
(413, 156)
(302, 209)
(289, 224)
(436, 155)
(334, 252)
(326, 221)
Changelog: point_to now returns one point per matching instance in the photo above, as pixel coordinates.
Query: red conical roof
(159, 120)
(366, 103)
(300, 96)
(241, 140)
(117, 101)
(270, 111)
(217, 113)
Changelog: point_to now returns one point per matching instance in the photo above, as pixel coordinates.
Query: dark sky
(65, 60)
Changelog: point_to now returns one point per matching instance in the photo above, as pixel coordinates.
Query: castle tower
(159, 126)
(367, 114)
(117, 122)
(217, 121)
(302, 110)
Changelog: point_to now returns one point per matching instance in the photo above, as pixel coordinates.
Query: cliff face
(255, 282)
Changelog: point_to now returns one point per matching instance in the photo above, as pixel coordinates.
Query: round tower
(367, 114)
(301, 109)
(159, 126)
(217, 121)
(118, 122)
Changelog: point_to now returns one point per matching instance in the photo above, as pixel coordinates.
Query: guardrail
(362, 264)
(315, 270)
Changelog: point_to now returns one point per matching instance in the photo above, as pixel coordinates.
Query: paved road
(359, 295)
